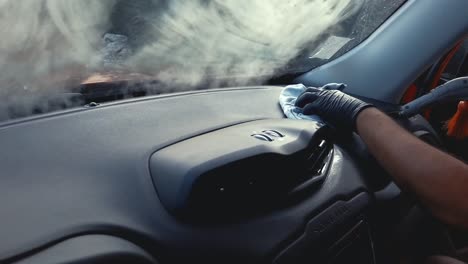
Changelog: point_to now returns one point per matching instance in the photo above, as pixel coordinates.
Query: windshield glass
(61, 53)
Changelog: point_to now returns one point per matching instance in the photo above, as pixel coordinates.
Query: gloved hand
(334, 106)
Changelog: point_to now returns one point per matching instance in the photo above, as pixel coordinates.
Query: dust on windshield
(53, 49)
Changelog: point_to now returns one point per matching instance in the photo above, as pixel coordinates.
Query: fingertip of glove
(305, 99)
(335, 86)
(310, 109)
(312, 90)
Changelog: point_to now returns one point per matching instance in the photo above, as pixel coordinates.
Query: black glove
(334, 106)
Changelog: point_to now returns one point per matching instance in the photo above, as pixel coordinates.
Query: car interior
(220, 175)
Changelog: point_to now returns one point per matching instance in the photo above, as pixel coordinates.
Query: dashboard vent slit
(318, 158)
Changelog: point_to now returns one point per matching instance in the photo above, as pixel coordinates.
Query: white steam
(244, 38)
(47, 44)
(43, 41)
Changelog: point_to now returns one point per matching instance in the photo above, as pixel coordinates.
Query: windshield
(59, 53)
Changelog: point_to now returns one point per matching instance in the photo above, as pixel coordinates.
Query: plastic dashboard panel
(86, 172)
(246, 167)
(95, 249)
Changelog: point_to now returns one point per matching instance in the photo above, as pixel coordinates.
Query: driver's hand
(334, 106)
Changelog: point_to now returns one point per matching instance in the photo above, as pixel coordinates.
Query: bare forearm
(439, 180)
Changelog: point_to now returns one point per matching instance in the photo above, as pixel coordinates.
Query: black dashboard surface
(86, 172)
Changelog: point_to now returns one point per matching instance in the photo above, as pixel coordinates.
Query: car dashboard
(211, 176)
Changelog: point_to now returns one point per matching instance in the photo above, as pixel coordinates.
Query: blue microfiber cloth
(288, 97)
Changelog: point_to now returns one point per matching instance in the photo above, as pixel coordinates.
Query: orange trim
(410, 94)
(458, 125)
(445, 63)
(443, 66)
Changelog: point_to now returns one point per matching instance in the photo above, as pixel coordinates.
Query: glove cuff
(357, 111)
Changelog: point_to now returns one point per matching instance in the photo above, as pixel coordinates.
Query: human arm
(438, 180)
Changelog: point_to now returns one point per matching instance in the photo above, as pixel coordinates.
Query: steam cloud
(48, 44)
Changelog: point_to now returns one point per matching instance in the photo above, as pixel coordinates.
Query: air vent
(318, 158)
(268, 135)
(246, 175)
(316, 161)
(261, 181)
